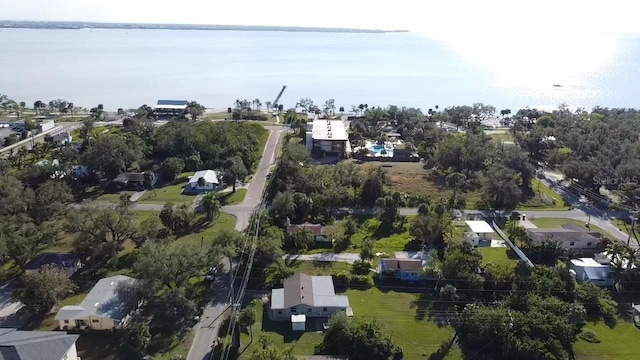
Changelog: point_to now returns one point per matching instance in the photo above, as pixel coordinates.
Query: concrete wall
(72, 354)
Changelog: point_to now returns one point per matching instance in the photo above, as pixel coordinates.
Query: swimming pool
(376, 148)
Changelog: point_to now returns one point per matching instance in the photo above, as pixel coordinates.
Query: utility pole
(634, 218)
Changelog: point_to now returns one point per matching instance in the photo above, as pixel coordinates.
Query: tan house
(569, 236)
(102, 309)
(314, 230)
(306, 296)
(37, 345)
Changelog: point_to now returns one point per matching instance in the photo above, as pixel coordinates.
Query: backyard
(619, 342)
(395, 310)
(498, 256)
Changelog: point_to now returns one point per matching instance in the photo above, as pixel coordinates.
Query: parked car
(211, 274)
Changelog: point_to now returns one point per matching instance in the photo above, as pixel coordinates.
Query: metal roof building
(36, 345)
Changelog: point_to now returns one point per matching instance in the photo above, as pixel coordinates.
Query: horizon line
(81, 22)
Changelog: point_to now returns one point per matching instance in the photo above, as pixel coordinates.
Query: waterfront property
(569, 236)
(402, 269)
(304, 296)
(327, 138)
(202, 181)
(104, 308)
(166, 109)
(37, 345)
(589, 270)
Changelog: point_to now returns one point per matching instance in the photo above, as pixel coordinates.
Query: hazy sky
(446, 19)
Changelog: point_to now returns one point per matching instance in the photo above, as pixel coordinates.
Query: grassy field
(620, 342)
(231, 198)
(412, 178)
(502, 137)
(169, 193)
(317, 268)
(208, 233)
(390, 243)
(541, 198)
(497, 256)
(555, 223)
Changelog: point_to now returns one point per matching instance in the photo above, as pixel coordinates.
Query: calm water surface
(126, 68)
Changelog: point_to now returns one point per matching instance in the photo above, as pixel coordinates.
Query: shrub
(589, 336)
(344, 278)
(361, 267)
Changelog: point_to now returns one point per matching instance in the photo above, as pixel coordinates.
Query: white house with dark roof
(210, 182)
(102, 309)
(37, 345)
(308, 296)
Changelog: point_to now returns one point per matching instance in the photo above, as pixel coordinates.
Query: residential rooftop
(317, 291)
(323, 129)
(103, 300)
(34, 345)
(479, 226)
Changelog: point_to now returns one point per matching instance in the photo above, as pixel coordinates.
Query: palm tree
(37, 105)
(195, 110)
(257, 103)
(268, 105)
(211, 206)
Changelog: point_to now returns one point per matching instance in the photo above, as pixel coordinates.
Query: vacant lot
(412, 178)
(619, 342)
(543, 197)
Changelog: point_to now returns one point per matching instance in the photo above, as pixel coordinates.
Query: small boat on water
(557, 85)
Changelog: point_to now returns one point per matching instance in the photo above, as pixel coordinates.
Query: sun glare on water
(538, 60)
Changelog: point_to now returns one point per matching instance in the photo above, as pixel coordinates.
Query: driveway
(331, 257)
(12, 313)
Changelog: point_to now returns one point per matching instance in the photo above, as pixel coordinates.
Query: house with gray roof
(37, 345)
(104, 308)
(307, 296)
(569, 236)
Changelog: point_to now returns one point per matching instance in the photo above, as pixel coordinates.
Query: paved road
(340, 257)
(242, 212)
(62, 127)
(207, 329)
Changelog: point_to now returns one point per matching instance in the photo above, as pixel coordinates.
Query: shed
(481, 228)
(298, 322)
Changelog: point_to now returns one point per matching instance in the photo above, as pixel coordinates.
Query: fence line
(513, 247)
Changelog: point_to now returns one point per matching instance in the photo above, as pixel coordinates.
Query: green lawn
(396, 311)
(556, 223)
(497, 256)
(231, 198)
(319, 267)
(179, 347)
(502, 137)
(620, 342)
(206, 235)
(169, 193)
(541, 198)
(280, 334)
(390, 243)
